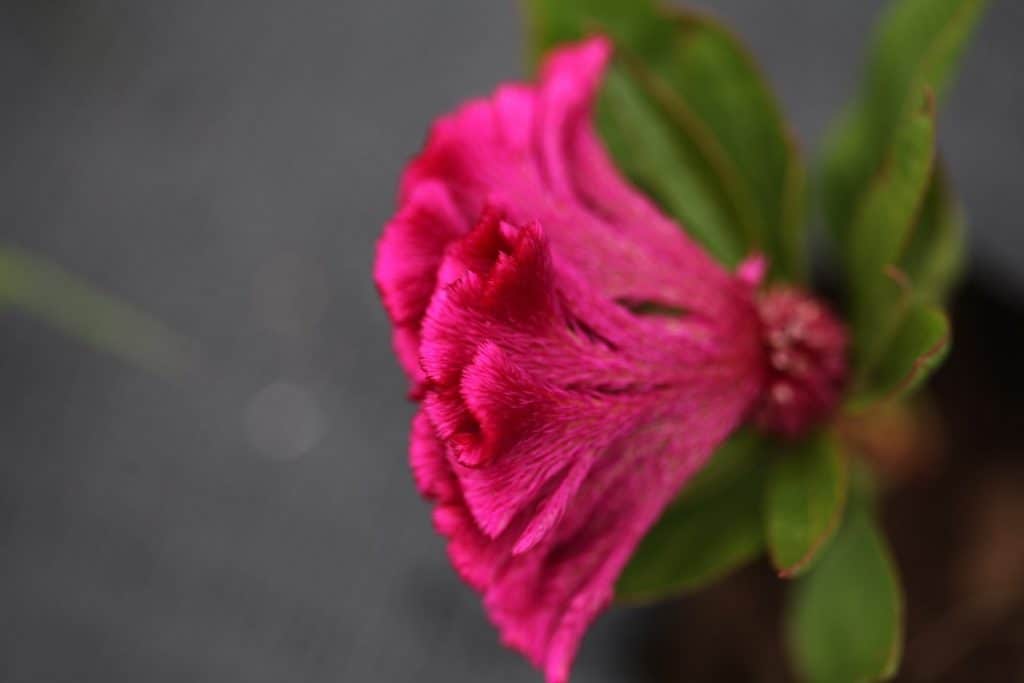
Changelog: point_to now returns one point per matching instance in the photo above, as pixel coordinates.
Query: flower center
(806, 348)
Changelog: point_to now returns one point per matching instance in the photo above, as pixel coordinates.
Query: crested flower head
(576, 355)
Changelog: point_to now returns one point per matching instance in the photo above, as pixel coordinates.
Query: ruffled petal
(558, 418)
(431, 471)
(567, 422)
(531, 152)
(408, 257)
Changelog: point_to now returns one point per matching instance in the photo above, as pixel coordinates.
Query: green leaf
(691, 94)
(806, 493)
(889, 210)
(552, 22)
(882, 229)
(713, 528)
(845, 618)
(665, 163)
(742, 452)
(713, 72)
(888, 201)
(920, 344)
(933, 258)
(918, 45)
(76, 308)
(903, 254)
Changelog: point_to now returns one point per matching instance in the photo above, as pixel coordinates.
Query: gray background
(227, 166)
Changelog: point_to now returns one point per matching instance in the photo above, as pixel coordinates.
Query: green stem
(50, 294)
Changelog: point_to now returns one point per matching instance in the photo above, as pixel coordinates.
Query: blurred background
(227, 167)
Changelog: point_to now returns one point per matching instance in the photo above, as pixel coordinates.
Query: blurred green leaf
(889, 209)
(552, 22)
(888, 200)
(882, 228)
(76, 308)
(713, 528)
(845, 618)
(902, 256)
(806, 493)
(933, 258)
(743, 451)
(731, 153)
(712, 71)
(665, 163)
(917, 45)
(920, 344)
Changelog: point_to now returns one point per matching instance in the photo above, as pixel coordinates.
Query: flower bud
(806, 347)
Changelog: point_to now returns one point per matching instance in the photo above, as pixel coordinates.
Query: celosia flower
(576, 355)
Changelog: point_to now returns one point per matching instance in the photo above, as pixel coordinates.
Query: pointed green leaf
(845, 618)
(713, 528)
(914, 337)
(882, 229)
(887, 200)
(918, 45)
(667, 165)
(806, 493)
(919, 346)
(719, 123)
(889, 210)
(906, 219)
(713, 72)
(933, 258)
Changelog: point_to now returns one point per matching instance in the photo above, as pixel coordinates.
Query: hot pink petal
(408, 256)
(558, 419)
(567, 422)
(532, 152)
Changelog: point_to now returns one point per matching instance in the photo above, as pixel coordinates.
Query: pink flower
(577, 356)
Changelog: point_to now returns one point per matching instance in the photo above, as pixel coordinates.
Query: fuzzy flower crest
(577, 357)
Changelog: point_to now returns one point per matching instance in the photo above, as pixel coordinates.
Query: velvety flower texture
(576, 355)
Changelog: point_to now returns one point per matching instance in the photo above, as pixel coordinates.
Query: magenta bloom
(577, 356)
